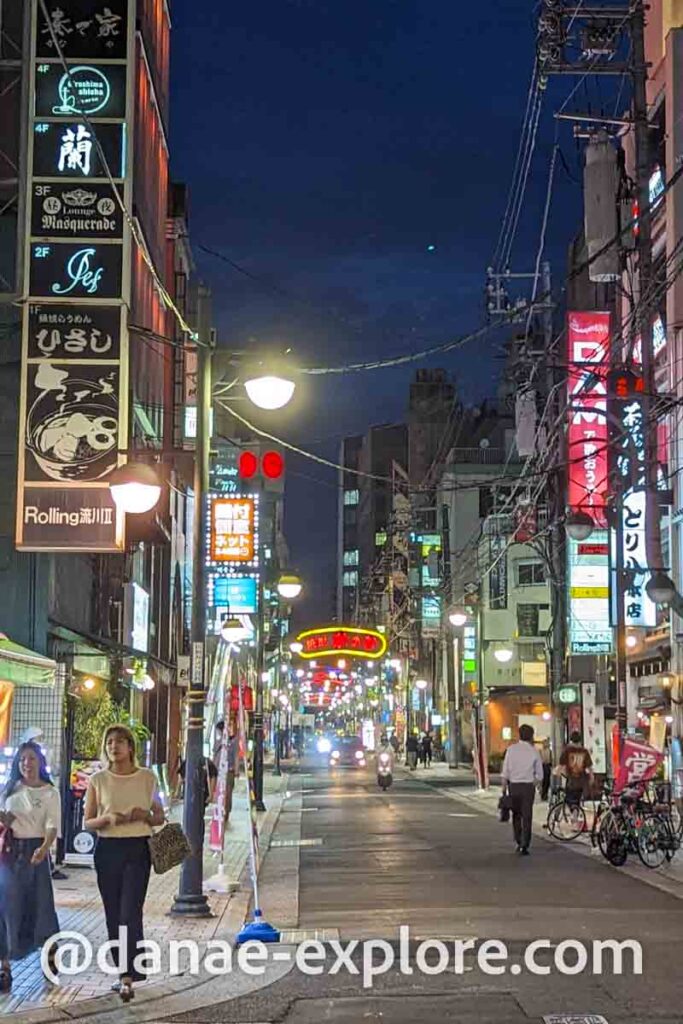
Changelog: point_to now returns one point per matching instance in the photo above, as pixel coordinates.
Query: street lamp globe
(269, 391)
(457, 618)
(232, 630)
(296, 647)
(421, 684)
(503, 655)
(578, 525)
(289, 587)
(135, 488)
(660, 588)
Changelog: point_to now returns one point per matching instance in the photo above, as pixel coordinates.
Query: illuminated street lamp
(135, 488)
(233, 631)
(503, 655)
(579, 525)
(296, 647)
(289, 587)
(421, 684)
(268, 391)
(457, 618)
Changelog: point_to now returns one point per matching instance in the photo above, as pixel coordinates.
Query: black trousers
(522, 794)
(545, 785)
(122, 867)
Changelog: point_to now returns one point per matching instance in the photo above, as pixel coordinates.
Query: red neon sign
(336, 640)
(588, 335)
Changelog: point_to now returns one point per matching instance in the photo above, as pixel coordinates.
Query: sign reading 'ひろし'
(336, 640)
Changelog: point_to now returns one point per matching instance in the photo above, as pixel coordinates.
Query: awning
(24, 667)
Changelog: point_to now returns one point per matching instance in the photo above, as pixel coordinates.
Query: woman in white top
(122, 805)
(30, 807)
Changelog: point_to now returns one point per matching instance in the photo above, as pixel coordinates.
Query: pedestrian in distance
(412, 747)
(30, 811)
(577, 764)
(427, 749)
(393, 740)
(522, 771)
(546, 759)
(122, 805)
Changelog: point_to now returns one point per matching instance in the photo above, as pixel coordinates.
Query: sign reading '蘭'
(67, 149)
(336, 640)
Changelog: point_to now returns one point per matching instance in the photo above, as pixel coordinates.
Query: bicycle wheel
(652, 844)
(566, 822)
(613, 838)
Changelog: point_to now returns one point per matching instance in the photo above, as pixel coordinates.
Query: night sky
(327, 147)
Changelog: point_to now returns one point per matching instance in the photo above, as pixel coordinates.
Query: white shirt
(35, 808)
(522, 763)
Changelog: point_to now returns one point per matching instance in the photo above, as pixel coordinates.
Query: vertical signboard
(74, 375)
(590, 631)
(630, 472)
(588, 351)
(498, 572)
(233, 552)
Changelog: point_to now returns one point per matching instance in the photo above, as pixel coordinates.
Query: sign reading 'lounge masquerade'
(72, 270)
(61, 210)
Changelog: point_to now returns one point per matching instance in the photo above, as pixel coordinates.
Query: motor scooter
(385, 775)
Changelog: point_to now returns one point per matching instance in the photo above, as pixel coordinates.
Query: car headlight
(359, 755)
(324, 746)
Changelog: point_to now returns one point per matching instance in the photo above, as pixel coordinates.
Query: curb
(149, 1004)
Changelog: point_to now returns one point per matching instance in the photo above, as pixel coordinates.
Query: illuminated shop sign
(588, 341)
(89, 89)
(336, 640)
(86, 28)
(71, 332)
(68, 150)
(61, 210)
(233, 529)
(590, 631)
(628, 410)
(70, 270)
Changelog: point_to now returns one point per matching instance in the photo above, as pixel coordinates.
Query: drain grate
(296, 842)
(296, 935)
(575, 1018)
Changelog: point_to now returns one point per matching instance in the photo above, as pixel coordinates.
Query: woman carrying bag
(30, 816)
(122, 806)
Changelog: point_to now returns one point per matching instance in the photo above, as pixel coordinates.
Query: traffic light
(267, 465)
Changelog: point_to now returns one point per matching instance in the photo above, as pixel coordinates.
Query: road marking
(296, 842)
(462, 815)
(292, 937)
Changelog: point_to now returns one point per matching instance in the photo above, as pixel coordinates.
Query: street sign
(568, 695)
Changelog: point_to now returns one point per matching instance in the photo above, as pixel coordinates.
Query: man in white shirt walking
(522, 770)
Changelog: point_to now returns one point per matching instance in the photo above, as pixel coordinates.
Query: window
(380, 538)
(530, 574)
(351, 557)
(527, 619)
(351, 497)
(350, 578)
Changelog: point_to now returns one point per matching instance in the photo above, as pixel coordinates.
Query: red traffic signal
(271, 464)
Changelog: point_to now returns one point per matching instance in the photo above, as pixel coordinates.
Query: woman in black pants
(122, 805)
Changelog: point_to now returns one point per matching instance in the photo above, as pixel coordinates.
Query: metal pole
(451, 692)
(258, 709)
(190, 900)
(481, 712)
(276, 768)
(644, 308)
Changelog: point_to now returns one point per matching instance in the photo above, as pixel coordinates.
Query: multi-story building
(79, 272)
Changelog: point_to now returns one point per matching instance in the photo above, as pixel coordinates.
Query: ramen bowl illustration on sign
(72, 425)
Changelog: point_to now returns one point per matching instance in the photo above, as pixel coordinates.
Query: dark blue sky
(327, 145)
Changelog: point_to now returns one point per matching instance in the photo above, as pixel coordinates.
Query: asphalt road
(416, 857)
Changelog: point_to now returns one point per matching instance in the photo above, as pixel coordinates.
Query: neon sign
(588, 340)
(233, 530)
(335, 640)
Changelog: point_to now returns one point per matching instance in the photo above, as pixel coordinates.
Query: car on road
(347, 752)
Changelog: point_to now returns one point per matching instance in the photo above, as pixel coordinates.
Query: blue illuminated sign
(236, 593)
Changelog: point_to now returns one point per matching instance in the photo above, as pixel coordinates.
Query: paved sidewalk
(669, 877)
(79, 909)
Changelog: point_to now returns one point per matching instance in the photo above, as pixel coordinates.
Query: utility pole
(452, 694)
(258, 704)
(190, 900)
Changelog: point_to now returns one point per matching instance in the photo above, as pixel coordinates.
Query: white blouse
(35, 809)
